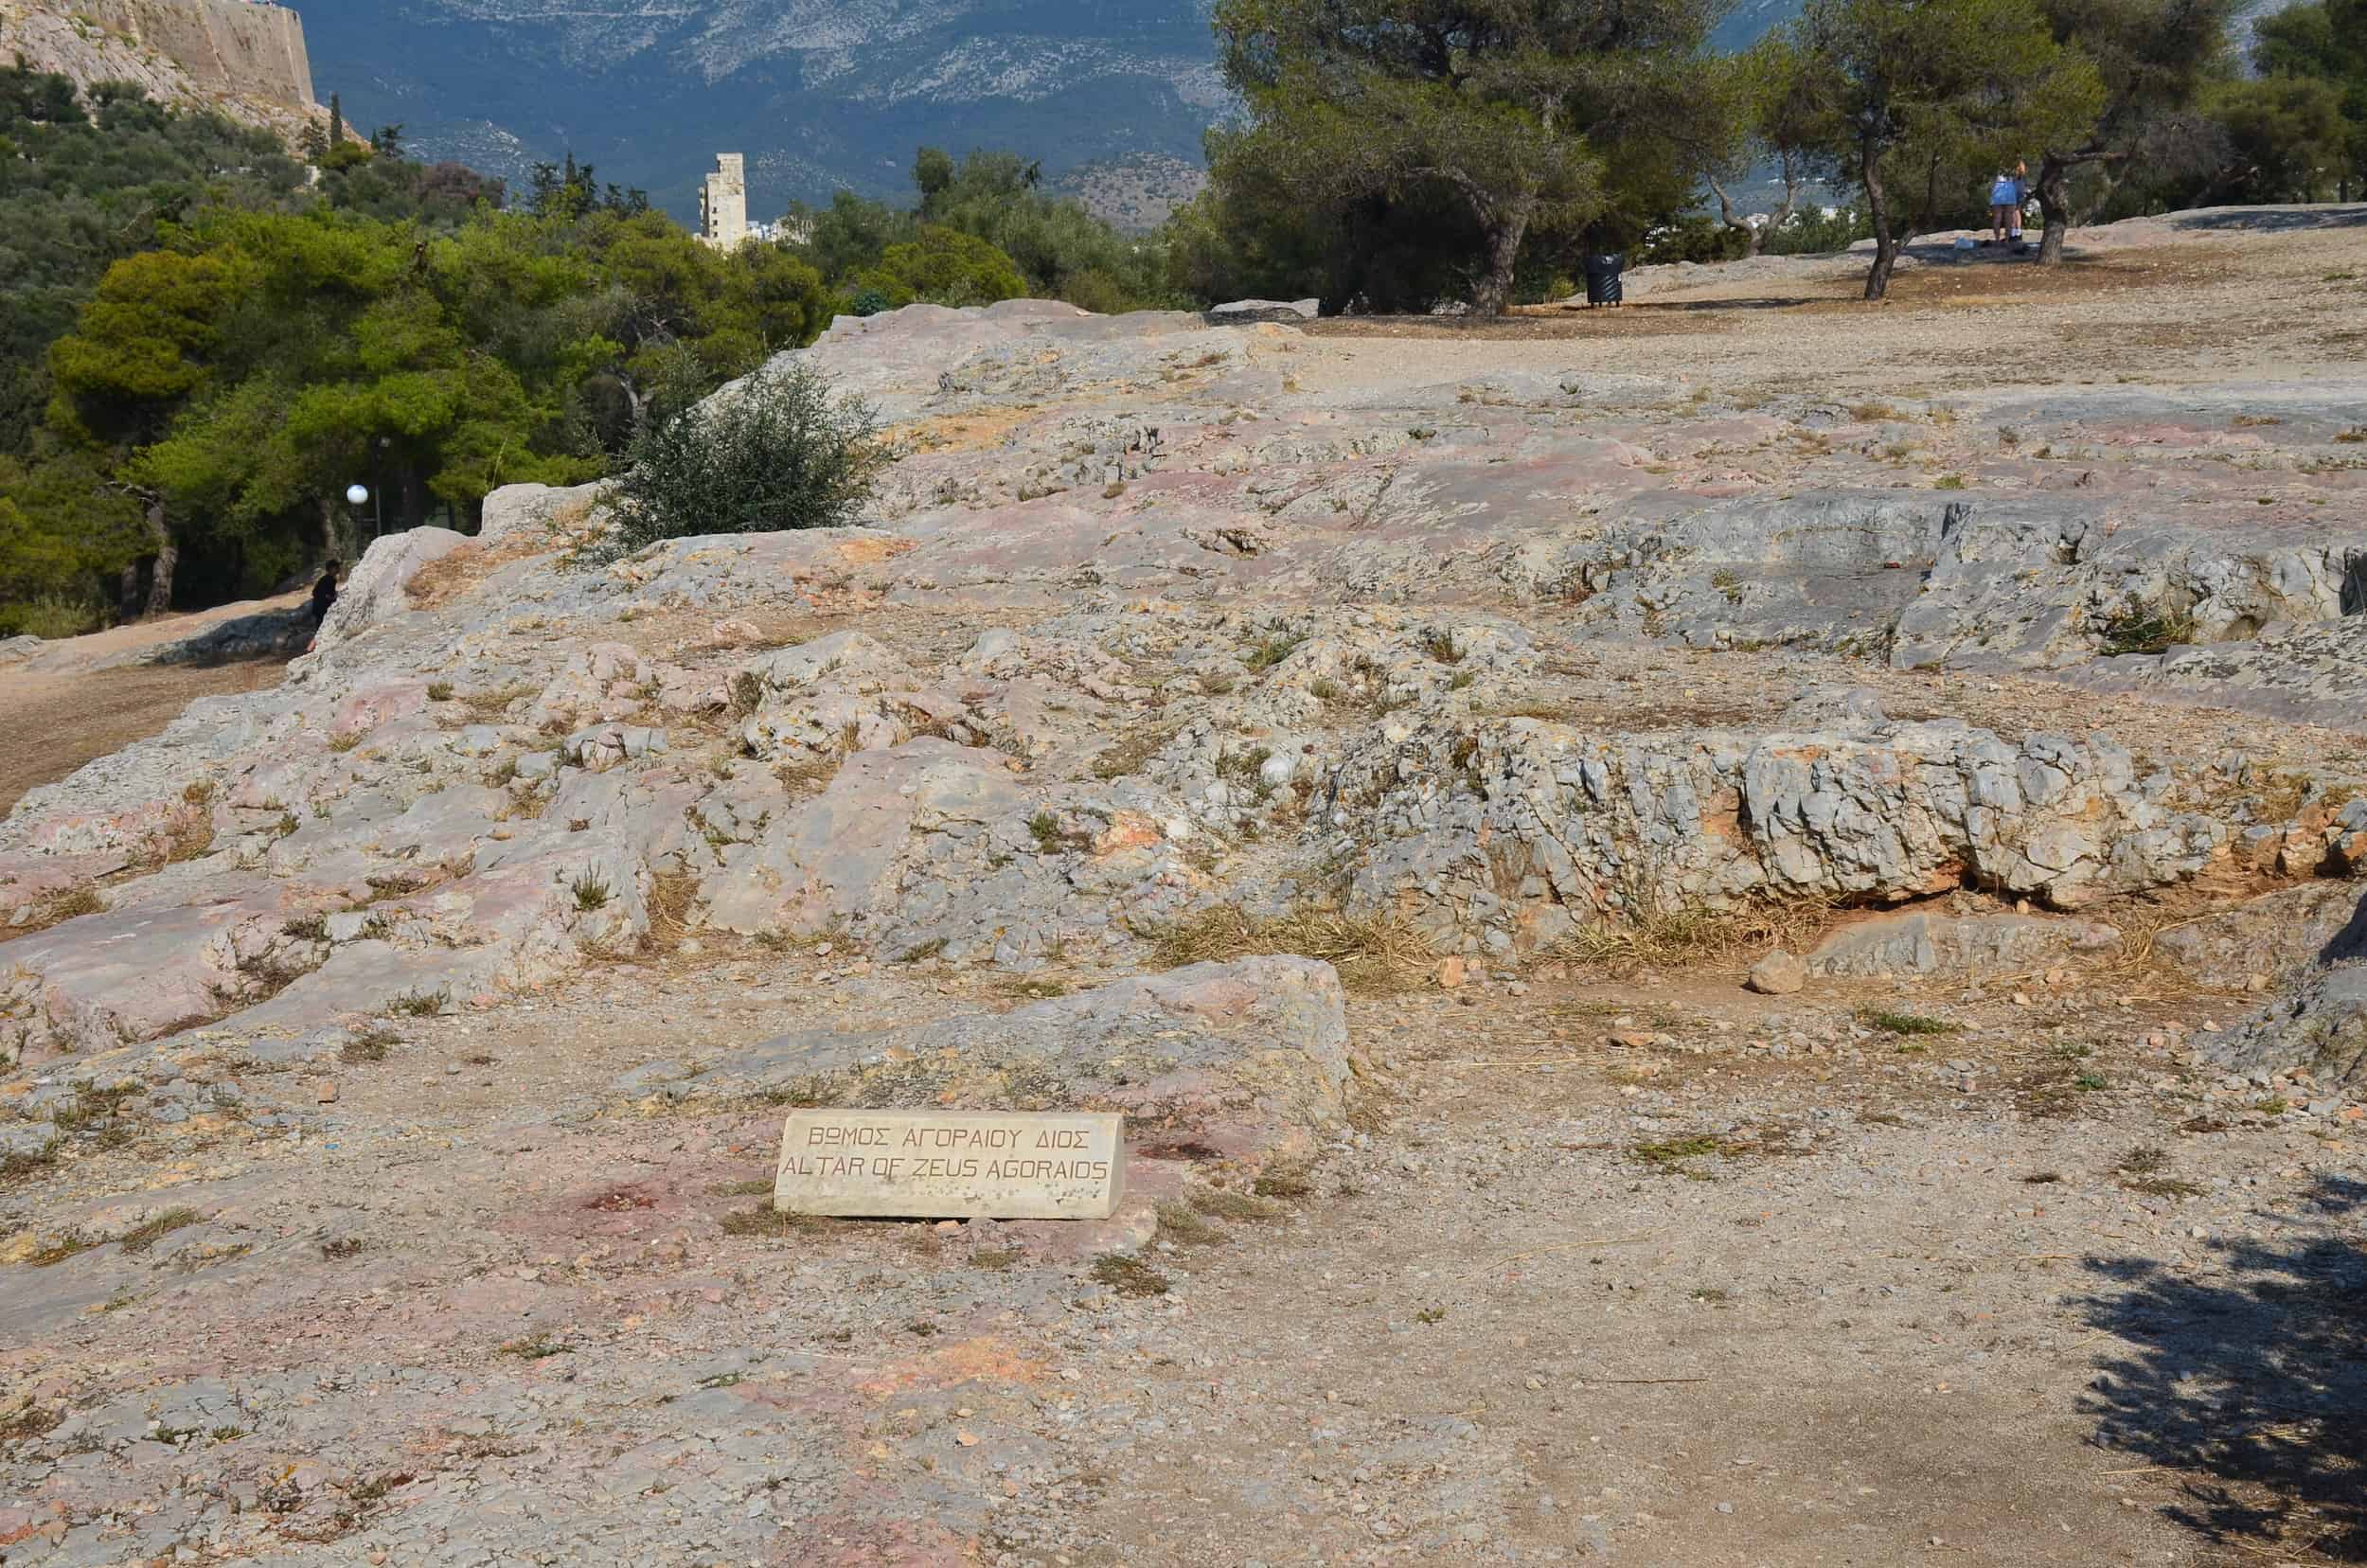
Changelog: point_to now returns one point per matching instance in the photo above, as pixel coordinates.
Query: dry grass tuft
(1179, 1224)
(1284, 1179)
(1132, 749)
(1696, 934)
(1129, 1276)
(56, 910)
(672, 894)
(1375, 957)
(1224, 1203)
(142, 1236)
(764, 1220)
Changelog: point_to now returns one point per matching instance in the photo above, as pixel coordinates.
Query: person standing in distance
(2005, 203)
(324, 594)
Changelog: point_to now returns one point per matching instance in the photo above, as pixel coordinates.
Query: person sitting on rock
(324, 594)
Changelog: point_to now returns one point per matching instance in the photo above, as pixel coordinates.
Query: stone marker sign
(994, 1165)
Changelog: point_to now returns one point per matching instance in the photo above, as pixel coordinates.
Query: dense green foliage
(1418, 142)
(773, 452)
(1917, 102)
(80, 191)
(2300, 132)
(980, 230)
(204, 341)
(202, 352)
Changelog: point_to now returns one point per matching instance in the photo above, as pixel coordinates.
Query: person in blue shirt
(2006, 198)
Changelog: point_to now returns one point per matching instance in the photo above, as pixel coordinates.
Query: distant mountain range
(818, 94)
(1112, 95)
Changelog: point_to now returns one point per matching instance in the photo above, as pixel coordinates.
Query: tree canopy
(204, 350)
(981, 228)
(1913, 103)
(1504, 114)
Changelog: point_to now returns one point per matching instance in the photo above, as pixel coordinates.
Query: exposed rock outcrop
(1244, 1059)
(1404, 650)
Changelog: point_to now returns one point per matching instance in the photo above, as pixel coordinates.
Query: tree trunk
(2055, 201)
(1878, 277)
(1794, 180)
(1504, 254)
(168, 555)
(160, 583)
(414, 494)
(1726, 215)
(127, 593)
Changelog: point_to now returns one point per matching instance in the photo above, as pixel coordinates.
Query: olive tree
(1902, 84)
(2153, 59)
(1501, 108)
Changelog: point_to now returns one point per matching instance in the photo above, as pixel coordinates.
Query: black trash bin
(1602, 279)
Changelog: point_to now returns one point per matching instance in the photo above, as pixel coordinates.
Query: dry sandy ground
(2164, 300)
(81, 697)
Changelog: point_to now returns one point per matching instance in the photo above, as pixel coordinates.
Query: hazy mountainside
(817, 95)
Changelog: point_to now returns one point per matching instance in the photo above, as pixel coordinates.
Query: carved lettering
(1003, 1165)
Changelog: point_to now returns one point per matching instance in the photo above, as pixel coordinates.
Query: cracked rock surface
(1374, 763)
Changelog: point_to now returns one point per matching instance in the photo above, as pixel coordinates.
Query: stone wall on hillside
(248, 61)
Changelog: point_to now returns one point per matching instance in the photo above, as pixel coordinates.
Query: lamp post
(357, 496)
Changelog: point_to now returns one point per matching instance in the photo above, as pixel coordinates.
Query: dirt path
(78, 698)
(2137, 300)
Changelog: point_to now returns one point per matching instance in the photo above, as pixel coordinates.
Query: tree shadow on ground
(2276, 218)
(2250, 1382)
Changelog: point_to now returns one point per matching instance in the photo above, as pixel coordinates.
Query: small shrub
(590, 892)
(1671, 1153)
(2142, 631)
(1373, 957)
(1181, 1225)
(1129, 1276)
(146, 1234)
(1225, 1203)
(420, 1003)
(1277, 646)
(370, 1045)
(1891, 1023)
(534, 1347)
(747, 693)
(439, 691)
(1283, 1179)
(65, 1245)
(17, 1163)
(774, 452)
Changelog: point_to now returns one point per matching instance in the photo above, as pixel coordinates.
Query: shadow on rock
(2251, 1382)
(2348, 943)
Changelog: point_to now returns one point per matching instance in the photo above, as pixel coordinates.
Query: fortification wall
(225, 53)
(225, 46)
